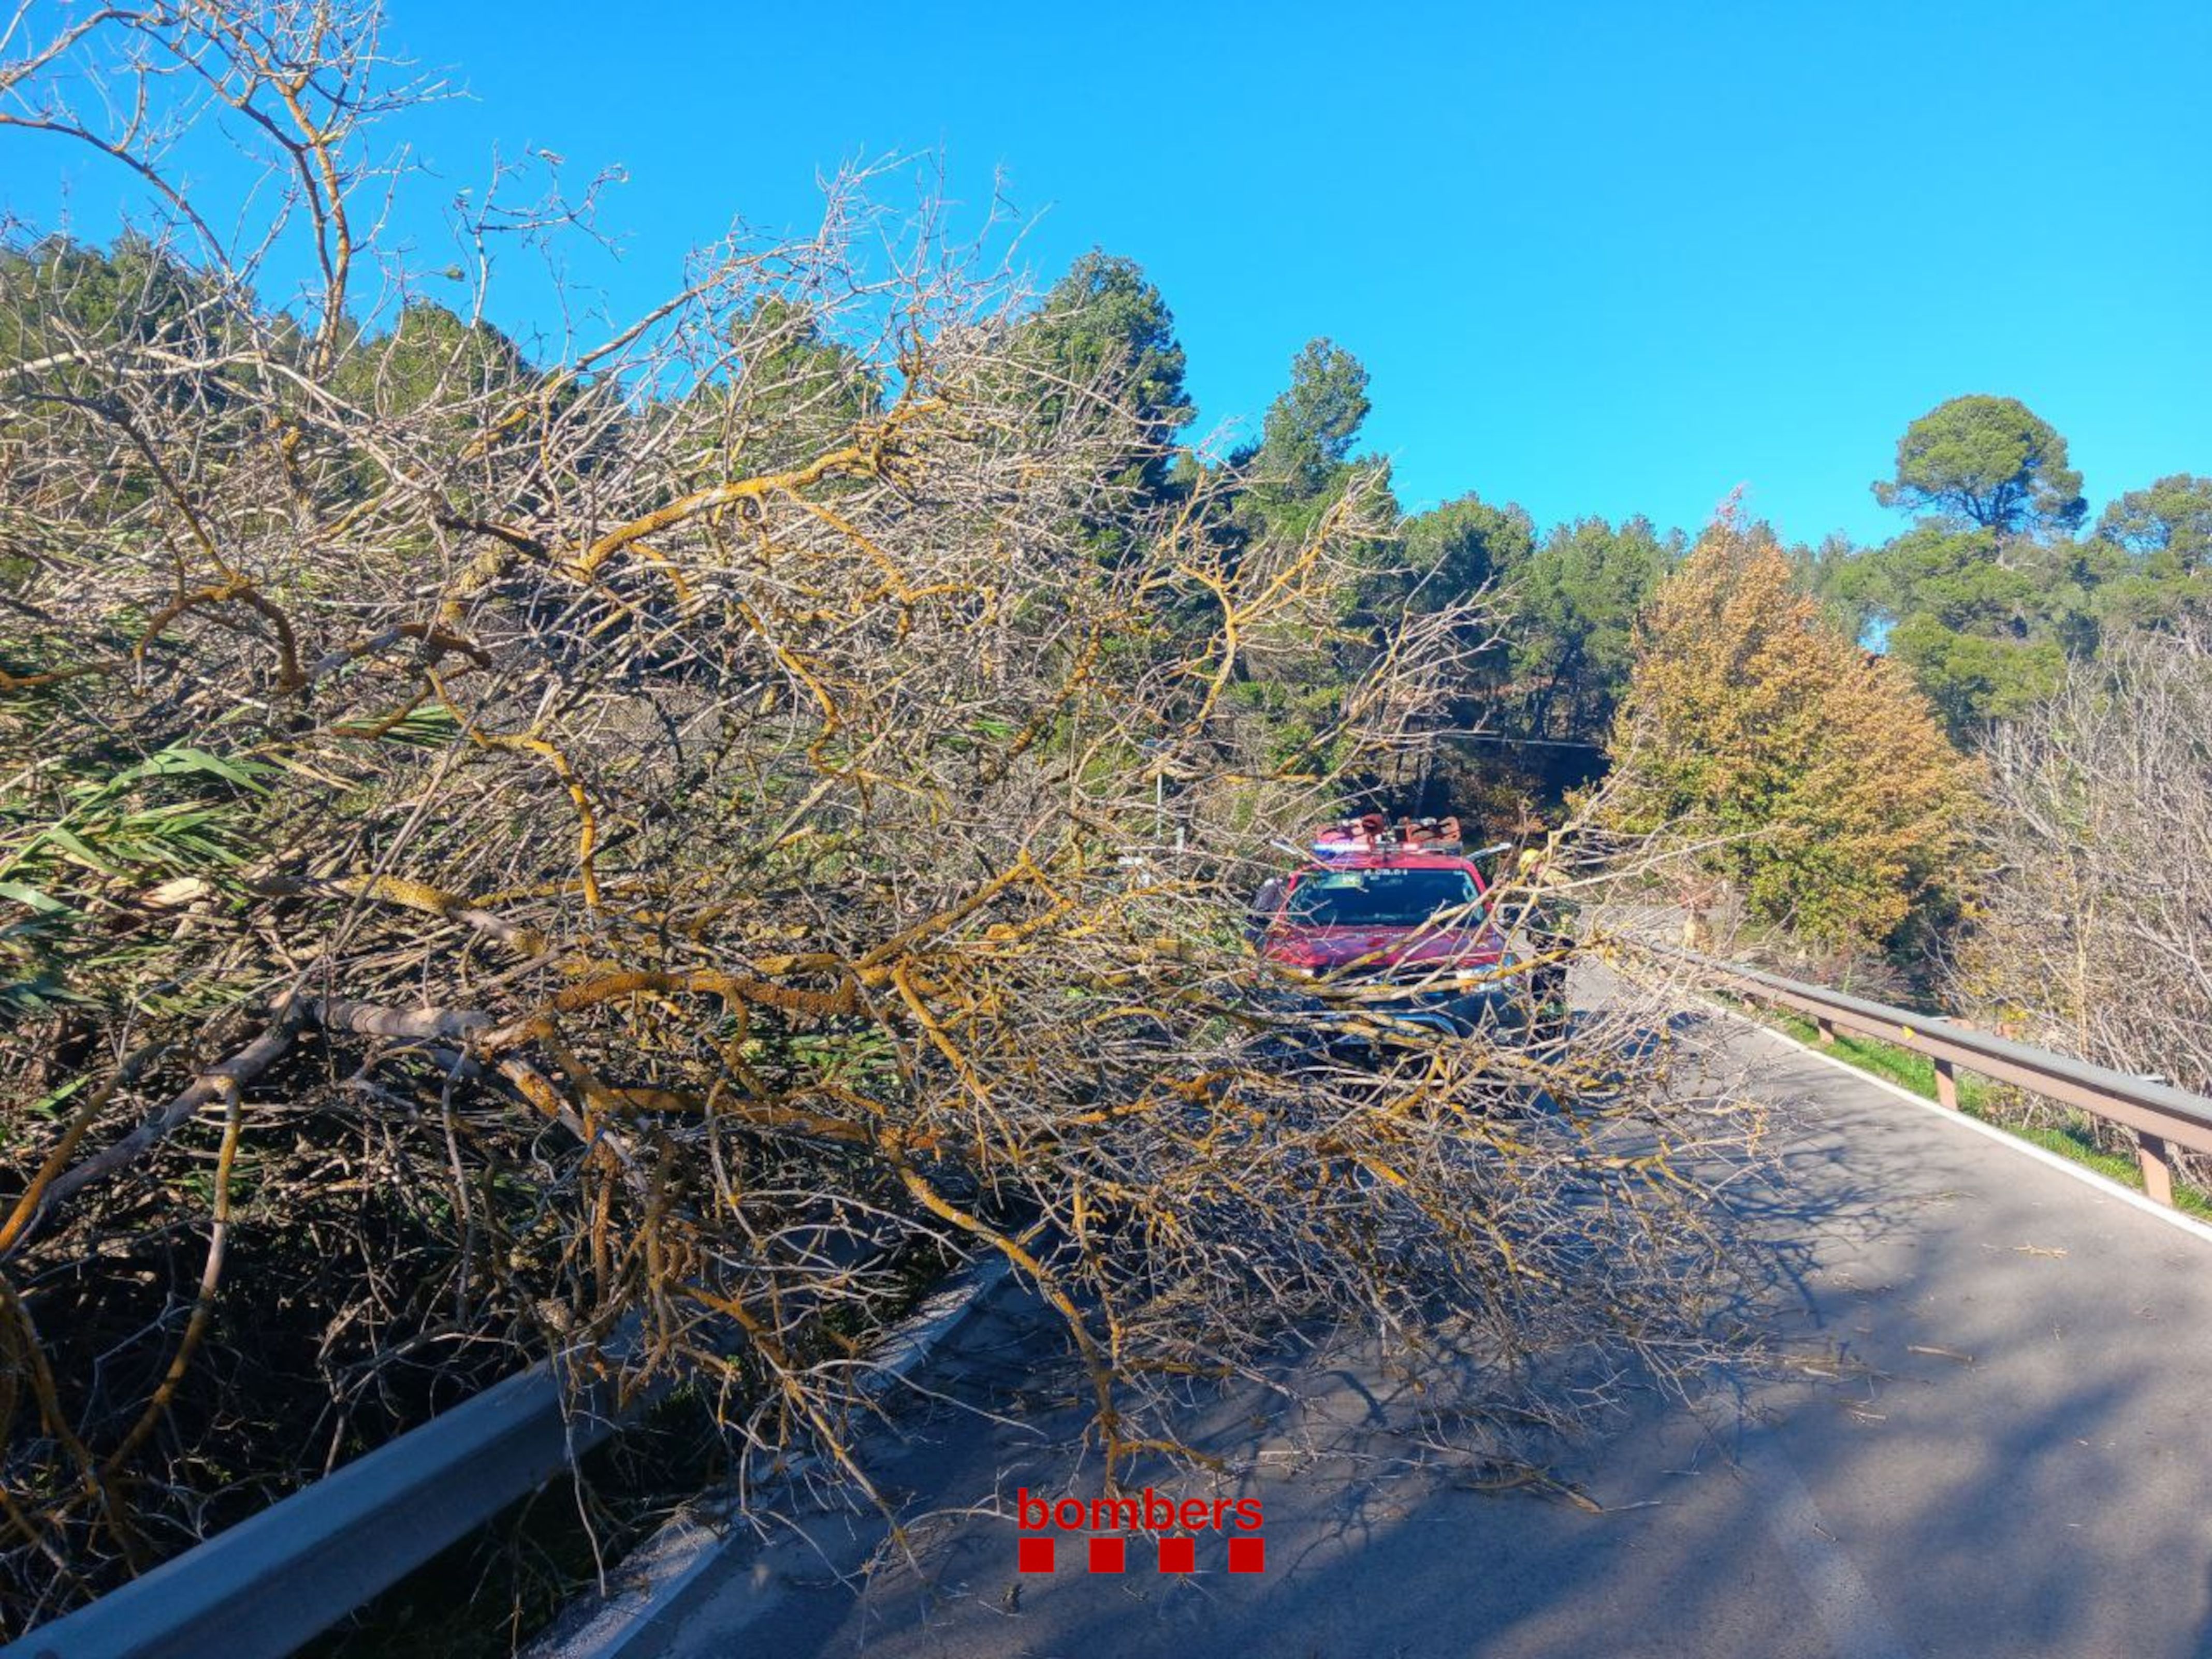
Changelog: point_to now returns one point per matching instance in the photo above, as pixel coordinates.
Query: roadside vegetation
(2092, 930)
(2000, 812)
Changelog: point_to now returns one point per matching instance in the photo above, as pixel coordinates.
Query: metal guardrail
(2162, 1116)
(259, 1589)
(263, 1588)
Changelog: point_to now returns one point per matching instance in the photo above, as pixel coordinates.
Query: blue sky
(1599, 257)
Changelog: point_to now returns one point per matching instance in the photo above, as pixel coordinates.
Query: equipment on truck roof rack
(1371, 835)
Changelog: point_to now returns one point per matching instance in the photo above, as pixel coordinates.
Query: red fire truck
(1389, 924)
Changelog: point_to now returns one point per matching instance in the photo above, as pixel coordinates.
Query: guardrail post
(1826, 1028)
(1947, 1084)
(2157, 1161)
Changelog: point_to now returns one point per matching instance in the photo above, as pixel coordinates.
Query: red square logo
(1035, 1555)
(1248, 1554)
(1107, 1555)
(1178, 1555)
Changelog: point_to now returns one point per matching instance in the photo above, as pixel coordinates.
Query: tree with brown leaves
(1812, 769)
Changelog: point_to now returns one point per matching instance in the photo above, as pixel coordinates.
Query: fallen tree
(496, 852)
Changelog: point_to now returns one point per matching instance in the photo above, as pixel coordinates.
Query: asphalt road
(2007, 1455)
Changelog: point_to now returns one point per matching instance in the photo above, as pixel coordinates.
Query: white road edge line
(1849, 1612)
(2082, 1172)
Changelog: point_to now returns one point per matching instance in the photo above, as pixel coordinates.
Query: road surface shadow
(1976, 1431)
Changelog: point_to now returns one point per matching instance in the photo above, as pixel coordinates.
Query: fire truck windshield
(1378, 899)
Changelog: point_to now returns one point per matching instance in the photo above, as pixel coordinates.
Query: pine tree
(1839, 804)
